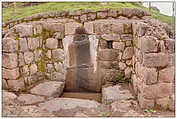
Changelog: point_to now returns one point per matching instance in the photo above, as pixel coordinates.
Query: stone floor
(40, 102)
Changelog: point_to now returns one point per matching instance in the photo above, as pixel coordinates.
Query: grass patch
(7, 13)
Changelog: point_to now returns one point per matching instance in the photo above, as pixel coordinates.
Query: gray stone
(145, 103)
(28, 56)
(155, 60)
(128, 72)
(91, 16)
(37, 55)
(8, 95)
(58, 54)
(114, 93)
(170, 45)
(128, 43)
(30, 99)
(53, 27)
(9, 60)
(119, 45)
(21, 60)
(59, 67)
(88, 27)
(83, 18)
(67, 103)
(49, 54)
(10, 73)
(71, 27)
(51, 43)
(23, 44)
(102, 27)
(51, 89)
(102, 15)
(57, 76)
(112, 13)
(50, 68)
(33, 43)
(127, 12)
(107, 55)
(25, 70)
(163, 77)
(128, 53)
(33, 69)
(122, 65)
(16, 85)
(9, 45)
(117, 28)
(111, 37)
(24, 30)
(126, 37)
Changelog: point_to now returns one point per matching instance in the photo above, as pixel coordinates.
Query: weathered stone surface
(37, 55)
(89, 27)
(135, 83)
(117, 28)
(126, 37)
(128, 53)
(122, 65)
(148, 44)
(128, 43)
(71, 27)
(119, 45)
(21, 60)
(163, 102)
(137, 12)
(53, 27)
(102, 27)
(50, 68)
(24, 30)
(128, 72)
(129, 62)
(4, 84)
(58, 54)
(30, 99)
(112, 13)
(170, 45)
(37, 29)
(51, 88)
(51, 43)
(49, 54)
(149, 75)
(91, 16)
(33, 43)
(28, 56)
(103, 44)
(67, 103)
(9, 60)
(57, 76)
(102, 15)
(8, 95)
(107, 54)
(16, 85)
(167, 75)
(111, 37)
(155, 60)
(83, 18)
(59, 67)
(114, 93)
(25, 70)
(127, 12)
(145, 103)
(159, 90)
(10, 73)
(23, 44)
(106, 64)
(9, 45)
(172, 103)
(33, 69)
(123, 18)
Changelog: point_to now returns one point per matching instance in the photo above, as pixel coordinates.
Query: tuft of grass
(7, 13)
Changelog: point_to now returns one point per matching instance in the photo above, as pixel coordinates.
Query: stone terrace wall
(131, 44)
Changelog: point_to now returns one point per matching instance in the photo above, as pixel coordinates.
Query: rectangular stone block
(102, 27)
(111, 37)
(24, 30)
(9, 45)
(128, 53)
(9, 60)
(33, 43)
(23, 44)
(102, 15)
(107, 55)
(155, 60)
(89, 27)
(71, 27)
(10, 73)
(167, 75)
(117, 28)
(16, 85)
(119, 45)
(58, 54)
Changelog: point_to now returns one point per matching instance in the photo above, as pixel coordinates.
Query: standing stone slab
(51, 89)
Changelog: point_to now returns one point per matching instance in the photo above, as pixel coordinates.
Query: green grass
(69, 6)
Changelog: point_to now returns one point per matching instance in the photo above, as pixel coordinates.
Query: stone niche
(80, 64)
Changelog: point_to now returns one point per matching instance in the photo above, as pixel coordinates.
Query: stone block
(102, 27)
(128, 72)
(51, 43)
(33, 69)
(21, 60)
(50, 68)
(148, 44)
(170, 45)
(16, 85)
(117, 28)
(37, 55)
(49, 54)
(91, 16)
(137, 12)
(9, 60)
(102, 15)
(107, 55)
(126, 37)
(24, 30)
(50, 88)
(89, 27)
(83, 18)
(59, 67)
(127, 12)
(106, 64)
(111, 37)
(112, 13)
(128, 43)
(163, 102)
(58, 54)
(9, 45)
(33, 43)
(128, 53)
(10, 73)
(103, 44)
(167, 75)
(29, 57)
(122, 66)
(54, 27)
(127, 27)
(57, 76)
(145, 103)
(135, 83)
(25, 70)
(119, 45)
(23, 44)
(71, 27)
(155, 60)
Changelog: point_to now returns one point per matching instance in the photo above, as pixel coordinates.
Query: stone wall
(125, 44)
